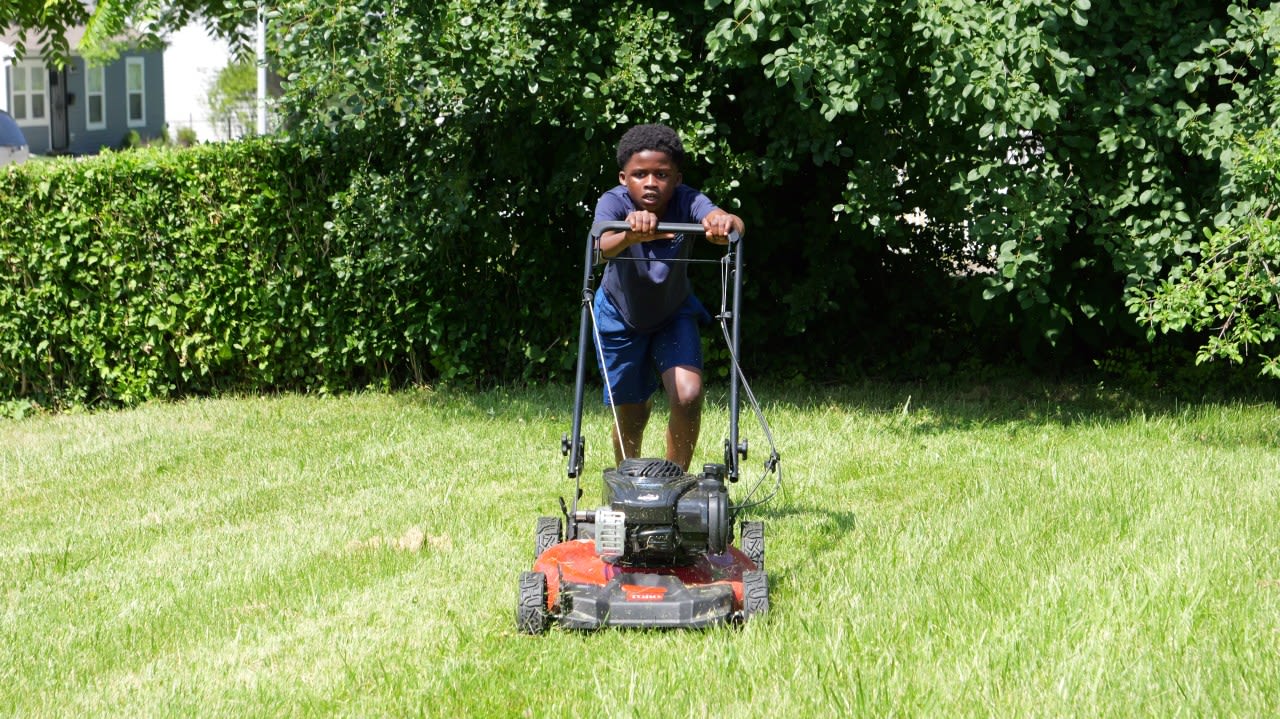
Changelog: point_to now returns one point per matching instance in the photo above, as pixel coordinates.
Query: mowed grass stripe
(965, 552)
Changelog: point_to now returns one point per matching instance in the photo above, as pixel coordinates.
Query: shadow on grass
(917, 408)
(998, 400)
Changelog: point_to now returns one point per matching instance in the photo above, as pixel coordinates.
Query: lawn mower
(659, 550)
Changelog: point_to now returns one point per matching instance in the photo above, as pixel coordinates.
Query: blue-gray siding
(84, 141)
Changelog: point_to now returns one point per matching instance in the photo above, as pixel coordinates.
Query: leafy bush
(249, 266)
(152, 272)
(1080, 145)
(501, 138)
(920, 180)
(1230, 286)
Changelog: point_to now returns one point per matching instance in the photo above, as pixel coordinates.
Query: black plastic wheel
(755, 595)
(549, 533)
(531, 610)
(751, 543)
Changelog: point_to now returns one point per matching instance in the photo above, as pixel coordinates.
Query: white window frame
(32, 73)
(100, 73)
(129, 64)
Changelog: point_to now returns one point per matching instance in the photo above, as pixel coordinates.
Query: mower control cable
(608, 388)
(773, 463)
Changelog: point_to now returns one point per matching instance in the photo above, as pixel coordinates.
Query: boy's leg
(632, 419)
(628, 377)
(683, 384)
(677, 351)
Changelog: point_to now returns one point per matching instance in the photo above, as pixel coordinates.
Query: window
(136, 90)
(95, 98)
(27, 94)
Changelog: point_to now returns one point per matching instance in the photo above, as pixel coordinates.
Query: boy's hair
(659, 138)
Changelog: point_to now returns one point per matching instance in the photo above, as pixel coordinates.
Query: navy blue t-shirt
(648, 288)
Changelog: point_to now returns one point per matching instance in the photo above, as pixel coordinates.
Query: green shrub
(131, 140)
(249, 267)
(148, 273)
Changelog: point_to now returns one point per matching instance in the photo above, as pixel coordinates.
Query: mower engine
(656, 514)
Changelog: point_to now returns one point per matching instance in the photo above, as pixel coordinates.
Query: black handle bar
(604, 226)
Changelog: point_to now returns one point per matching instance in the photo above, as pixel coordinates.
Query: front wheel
(531, 609)
(752, 543)
(549, 533)
(755, 595)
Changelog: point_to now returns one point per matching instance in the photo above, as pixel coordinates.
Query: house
(81, 109)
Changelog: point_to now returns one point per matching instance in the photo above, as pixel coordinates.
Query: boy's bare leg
(632, 418)
(684, 396)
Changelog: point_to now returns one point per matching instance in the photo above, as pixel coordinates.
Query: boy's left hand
(719, 224)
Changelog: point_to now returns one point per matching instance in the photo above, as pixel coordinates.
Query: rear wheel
(548, 534)
(752, 543)
(531, 609)
(755, 595)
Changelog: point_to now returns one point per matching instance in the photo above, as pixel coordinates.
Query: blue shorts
(635, 360)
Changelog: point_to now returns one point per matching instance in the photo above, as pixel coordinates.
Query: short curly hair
(659, 138)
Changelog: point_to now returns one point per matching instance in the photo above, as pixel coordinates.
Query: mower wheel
(531, 610)
(549, 533)
(755, 595)
(752, 543)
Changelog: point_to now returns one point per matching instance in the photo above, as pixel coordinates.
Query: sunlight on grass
(1010, 552)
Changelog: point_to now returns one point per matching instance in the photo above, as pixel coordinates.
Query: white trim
(6, 59)
(29, 82)
(129, 64)
(101, 73)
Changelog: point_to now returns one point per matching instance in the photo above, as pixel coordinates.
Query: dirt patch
(413, 540)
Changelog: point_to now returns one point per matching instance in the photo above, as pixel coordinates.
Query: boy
(645, 310)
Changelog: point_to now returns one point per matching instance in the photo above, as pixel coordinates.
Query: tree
(149, 21)
(1080, 144)
(1065, 154)
(232, 98)
(923, 172)
(141, 22)
(1230, 287)
(49, 19)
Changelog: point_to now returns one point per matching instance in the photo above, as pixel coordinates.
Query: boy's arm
(719, 224)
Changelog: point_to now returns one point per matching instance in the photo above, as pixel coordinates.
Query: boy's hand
(719, 224)
(644, 226)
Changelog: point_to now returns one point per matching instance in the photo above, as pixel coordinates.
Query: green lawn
(983, 551)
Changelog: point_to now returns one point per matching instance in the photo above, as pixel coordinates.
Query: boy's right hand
(644, 227)
(645, 224)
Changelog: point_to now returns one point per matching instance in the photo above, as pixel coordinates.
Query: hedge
(260, 266)
(243, 267)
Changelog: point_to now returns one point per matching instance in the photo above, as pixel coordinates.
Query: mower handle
(604, 226)
(572, 444)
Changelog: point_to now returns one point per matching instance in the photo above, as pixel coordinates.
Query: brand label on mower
(638, 593)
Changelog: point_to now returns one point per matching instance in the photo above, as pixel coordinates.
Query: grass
(982, 551)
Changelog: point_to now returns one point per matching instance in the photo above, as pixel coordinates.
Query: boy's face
(651, 179)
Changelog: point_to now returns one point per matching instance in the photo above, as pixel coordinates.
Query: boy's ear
(622, 177)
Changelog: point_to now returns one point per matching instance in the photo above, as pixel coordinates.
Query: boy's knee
(686, 395)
